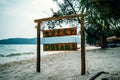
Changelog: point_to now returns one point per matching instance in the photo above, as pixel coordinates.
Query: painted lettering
(60, 47)
(60, 32)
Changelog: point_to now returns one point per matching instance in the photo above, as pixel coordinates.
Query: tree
(101, 15)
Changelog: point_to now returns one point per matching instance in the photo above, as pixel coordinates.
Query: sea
(13, 52)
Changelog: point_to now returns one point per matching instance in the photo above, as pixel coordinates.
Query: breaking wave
(15, 54)
(1, 55)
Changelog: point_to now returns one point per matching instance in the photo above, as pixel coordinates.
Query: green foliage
(103, 16)
(90, 40)
(64, 9)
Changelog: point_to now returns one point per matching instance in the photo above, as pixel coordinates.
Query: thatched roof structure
(113, 38)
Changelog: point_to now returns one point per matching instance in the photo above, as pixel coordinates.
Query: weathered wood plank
(60, 47)
(60, 17)
(83, 65)
(60, 32)
(38, 48)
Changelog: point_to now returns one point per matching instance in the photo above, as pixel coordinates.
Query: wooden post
(83, 65)
(38, 48)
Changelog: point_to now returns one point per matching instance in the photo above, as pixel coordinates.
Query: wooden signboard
(60, 32)
(60, 47)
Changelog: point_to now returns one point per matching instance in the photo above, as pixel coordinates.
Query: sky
(17, 17)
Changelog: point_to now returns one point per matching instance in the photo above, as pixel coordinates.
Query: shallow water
(10, 53)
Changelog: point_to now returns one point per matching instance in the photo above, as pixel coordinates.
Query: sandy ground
(66, 66)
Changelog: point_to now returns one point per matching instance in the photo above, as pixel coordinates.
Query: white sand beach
(66, 66)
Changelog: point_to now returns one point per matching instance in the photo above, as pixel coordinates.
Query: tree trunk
(103, 42)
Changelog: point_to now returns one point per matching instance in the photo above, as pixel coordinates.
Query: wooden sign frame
(38, 21)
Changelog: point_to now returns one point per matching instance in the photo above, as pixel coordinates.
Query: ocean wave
(15, 54)
(1, 55)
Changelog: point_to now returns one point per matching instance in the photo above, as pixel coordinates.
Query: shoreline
(23, 56)
(52, 54)
(65, 66)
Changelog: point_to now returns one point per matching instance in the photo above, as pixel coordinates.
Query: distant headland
(43, 40)
(18, 41)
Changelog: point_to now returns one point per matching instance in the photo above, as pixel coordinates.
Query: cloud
(18, 16)
(32, 8)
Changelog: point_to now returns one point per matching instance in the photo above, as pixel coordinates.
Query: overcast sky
(17, 17)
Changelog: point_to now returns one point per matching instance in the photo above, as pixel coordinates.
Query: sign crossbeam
(60, 17)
